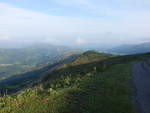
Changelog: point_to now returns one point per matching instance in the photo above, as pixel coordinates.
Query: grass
(106, 92)
(96, 92)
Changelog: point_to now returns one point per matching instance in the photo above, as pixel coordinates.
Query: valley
(21, 60)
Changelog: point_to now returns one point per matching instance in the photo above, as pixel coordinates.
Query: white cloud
(80, 41)
(21, 24)
(4, 37)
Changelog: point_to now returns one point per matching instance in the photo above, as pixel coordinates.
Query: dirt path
(141, 81)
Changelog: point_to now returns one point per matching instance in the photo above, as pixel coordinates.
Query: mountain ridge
(131, 49)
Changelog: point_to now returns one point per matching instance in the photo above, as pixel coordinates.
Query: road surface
(141, 82)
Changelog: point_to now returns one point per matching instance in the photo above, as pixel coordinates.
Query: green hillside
(91, 83)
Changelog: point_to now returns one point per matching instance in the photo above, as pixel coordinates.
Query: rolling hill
(21, 60)
(90, 83)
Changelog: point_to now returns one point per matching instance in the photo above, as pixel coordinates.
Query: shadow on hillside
(19, 82)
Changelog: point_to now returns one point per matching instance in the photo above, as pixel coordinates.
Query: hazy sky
(75, 22)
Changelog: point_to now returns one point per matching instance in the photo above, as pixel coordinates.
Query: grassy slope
(104, 92)
(98, 87)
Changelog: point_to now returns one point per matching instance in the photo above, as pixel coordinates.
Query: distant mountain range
(131, 49)
(34, 54)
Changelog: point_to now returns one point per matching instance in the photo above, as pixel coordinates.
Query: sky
(91, 23)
